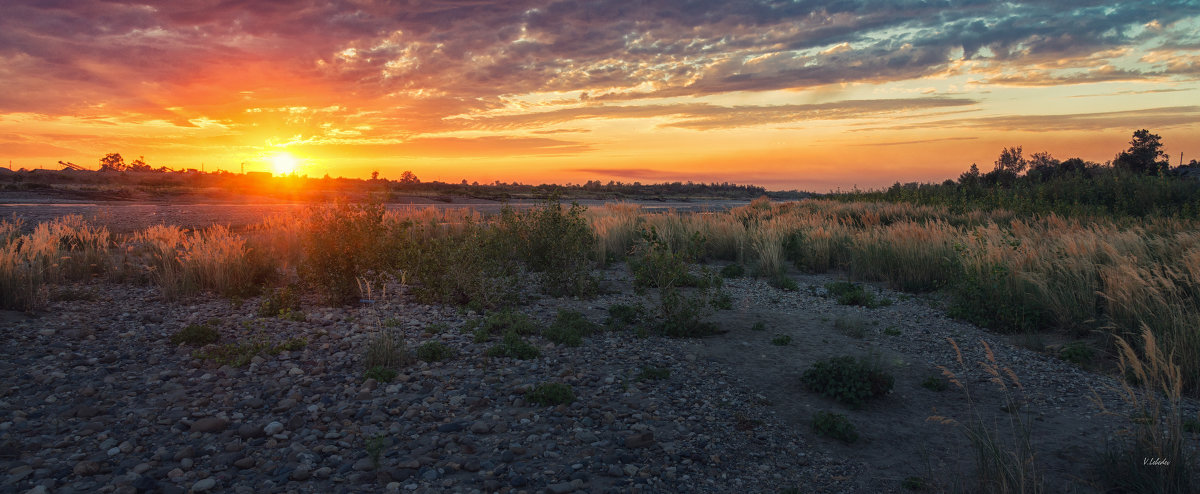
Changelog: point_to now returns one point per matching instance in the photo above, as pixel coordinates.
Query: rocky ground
(94, 398)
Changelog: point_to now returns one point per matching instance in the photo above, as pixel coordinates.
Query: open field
(356, 348)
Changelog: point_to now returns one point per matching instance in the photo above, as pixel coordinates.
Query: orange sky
(781, 94)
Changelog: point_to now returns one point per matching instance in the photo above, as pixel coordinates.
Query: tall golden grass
(1086, 276)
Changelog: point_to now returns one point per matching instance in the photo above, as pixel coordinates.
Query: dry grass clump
(1005, 459)
(1150, 454)
(215, 259)
(64, 249)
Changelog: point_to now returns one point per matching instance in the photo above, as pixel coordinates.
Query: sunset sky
(786, 94)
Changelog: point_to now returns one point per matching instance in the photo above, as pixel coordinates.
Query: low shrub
(550, 394)
(849, 293)
(513, 346)
(622, 315)
(380, 373)
(387, 349)
(848, 380)
(935, 383)
(781, 340)
(1077, 352)
(343, 243)
(196, 335)
(733, 271)
(281, 303)
(433, 351)
(834, 425)
(853, 327)
(659, 265)
(759, 326)
(653, 373)
(569, 328)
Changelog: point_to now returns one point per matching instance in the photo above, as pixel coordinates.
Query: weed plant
(834, 425)
(551, 394)
(434, 351)
(569, 328)
(513, 346)
(848, 380)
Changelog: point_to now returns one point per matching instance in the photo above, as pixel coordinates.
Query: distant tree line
(1139, 181)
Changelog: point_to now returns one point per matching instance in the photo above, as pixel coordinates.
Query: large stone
(642, 440)
(210, 424)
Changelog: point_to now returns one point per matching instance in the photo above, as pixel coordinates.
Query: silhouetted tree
(1010, 160)
(112, 162)
(409, 178)
(139, 165)
(970, 178)
(1145, 154)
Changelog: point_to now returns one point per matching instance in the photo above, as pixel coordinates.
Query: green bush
(281, 303)
(380, 374)
(848, 380)
(569, 328)
(550, 394)
(512, 346)
(995, 298)
(848, 293)
(622, 315)
(934, 383)
(834, 425)
(656, 264)
(510, 321)
(1077, 352)
(853, 327)
(343, 243)
(196, 335)
(759, 326)
(781, 340)
(913, 483)
(733, 271)
(783, 282)
(559, 244)
(433, 351)
(653, 373)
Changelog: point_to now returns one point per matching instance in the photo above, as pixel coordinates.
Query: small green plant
(935, 383)
(380, 373)
(437, 328)
(292, 345)
(388, 350)
(733, 271)
(550, 394)
(891, 331)
(510, 321)
(281, 303)
(854, 327)
(848, 380)
(624, 316)
(392, 322)
(375, 447)
(235, 354)
(783, 282)
(722, 300)
(1077, 352)
(433, 351)
(781, 340)
(834, 425)
(667, 267)
(913, 483)
(513, 346)
(849, 293)
(569, 328)
(480, 335)
(759, 326)
(653, 373)
(196, 335)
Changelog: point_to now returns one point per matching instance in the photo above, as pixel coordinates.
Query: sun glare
(284, 163)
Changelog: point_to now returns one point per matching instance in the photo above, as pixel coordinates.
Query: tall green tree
(1145, 154)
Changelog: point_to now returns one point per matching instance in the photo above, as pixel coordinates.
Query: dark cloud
(447, 147)
(918, 141)
(88, 55)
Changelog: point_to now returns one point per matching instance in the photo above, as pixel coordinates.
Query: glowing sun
(284, 163)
